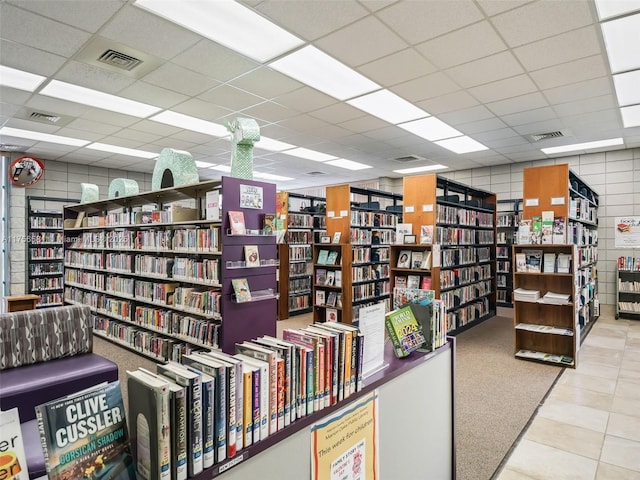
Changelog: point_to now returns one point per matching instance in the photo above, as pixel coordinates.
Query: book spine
(348, 346)
(208, 426)
(328, 369)
(310, 381)
(264, 402)
(273, 393)
(359, 370)
(287, 390)
(239, 406)
(255, 402)
(281, 393)
(302, 371)
(231, 402)
(321, 375)
(194, 450)
(354, 363)
(179, 434)
(247, 416)
(164, 443)
(293, 405)
(341, 366)
(43, 427)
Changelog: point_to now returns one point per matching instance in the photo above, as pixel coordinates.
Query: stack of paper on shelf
(556, 298)
(522, 295)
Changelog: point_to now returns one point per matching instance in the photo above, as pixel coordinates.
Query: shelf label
(409, 209)
(557, 200)
(331, 213)
(343, 213)
(531, 202)
(427, 207)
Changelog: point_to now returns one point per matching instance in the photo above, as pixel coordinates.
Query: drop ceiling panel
(29, 59)
(541, 19)
(570, 72)
(305, 99)
(448, 103)
(479, 112)
(485, 70)
(84, 125)
(519, 104)
(423, 88)
(469, 43)
(578, 91)
(536, 128)
(494, 7)
(303, 123)
(268, 111)
(338, 113)
(112, 118)
(364, 124)
(90, 76)
(397, 68)
(266, 83)
(507, 88)
(595, 104)
(537, 115)
(201, 109)
(142, 137)
(385, 133)
(231, 98)
(179, 79)
(152, 95)
(481, 126)
(498, 134)
(53, 105)
(213, 60)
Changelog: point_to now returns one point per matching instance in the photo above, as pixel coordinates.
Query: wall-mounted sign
(627, 232)
(26, 171)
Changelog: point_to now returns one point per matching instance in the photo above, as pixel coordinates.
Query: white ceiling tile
(578, 91)
(95, 127)
(157, 128)
(14, 96)
(363, 124)
(231, 98)
(152, 95)
(39, 32)
(266, 83)
(214, 60)
(518, 104)
(485, 70)
(338, 113)
(83, 134)
(608, 118)
(267, 111)
(53, 105)
(303, 123)
(368, 39)
(149, 33)
(305, 99)
(27, 59)
(560, 49)
(494, 7)
(448, 103)
(423, 88)
(464, 45)
(131, 134)
(540, 127)
(201, 109)
(386, 133)
(112, 118)
(90, 76)
(570, 72)
(179, 79)
(530, 116)
(467, 115)
(498, 134)
(481, 126)
(542, 19)
(420, 21)
(397, 68)
(311, 20)
(595, 104)
(507, 88)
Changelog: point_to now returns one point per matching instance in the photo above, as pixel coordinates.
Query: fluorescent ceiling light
(348, 164)
(583, 146)
(431, 129)
(222, 168)
(191, 123)
(622, 40)
(614, 8)
(388, 106)
(10, 77)
(631, 116)
(322, 72)
(272, 145)
(462, 144)
(627, 87)
(310, 154)
(270, 176)
(228, 23)
(43, 137)
(94, 98)
(122, 150)
(200, 164)
(426, 168)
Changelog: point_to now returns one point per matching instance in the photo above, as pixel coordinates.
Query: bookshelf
(299, 215)
(45, 249)
(158, 275)
(559, 218)
(508, 218)
(628, 286)
(458, 223)
(365, 220)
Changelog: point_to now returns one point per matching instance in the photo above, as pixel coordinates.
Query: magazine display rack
(158, 276)
(555, 259)
(628, 286)
(508, 218)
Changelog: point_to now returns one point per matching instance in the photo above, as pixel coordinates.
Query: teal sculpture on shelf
(89, 192)
(174, 168)
(120, 187)
(245, 132)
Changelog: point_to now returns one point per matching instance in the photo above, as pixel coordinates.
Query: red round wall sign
(26, 171)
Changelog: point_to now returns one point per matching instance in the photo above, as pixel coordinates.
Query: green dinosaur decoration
(245, 132)
(174, 168)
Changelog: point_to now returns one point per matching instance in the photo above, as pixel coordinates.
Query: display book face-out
(404, 331)
(241, 289)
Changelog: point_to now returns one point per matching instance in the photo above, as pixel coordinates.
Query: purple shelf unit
(246, 321)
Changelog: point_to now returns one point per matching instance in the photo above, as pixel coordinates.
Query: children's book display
(241, 289)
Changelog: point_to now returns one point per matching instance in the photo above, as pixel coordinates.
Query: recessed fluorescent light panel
(388, 106)
(200, 164)
(270, 176)
(631, 116)
(322, 72)
(191, 123)
(627, 87)
(10, 77)
(461, 145)
(622, 41)
(42, 137)
(426, 168)
(430, 129)
(613, 8)
(228, 23)
(272, 145)
(222, 168)
(310, 154)
(583, 146)
(94, 98)
(122, 150)
(348, 164)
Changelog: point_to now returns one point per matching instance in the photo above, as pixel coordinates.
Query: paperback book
(404, 259)
(14, 461)
(404, 331)
(251, 256)
(269, 223)
(426, 234)
(236, 223)
(241, 289)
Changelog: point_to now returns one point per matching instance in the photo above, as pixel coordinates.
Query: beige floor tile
(628, 389)
(569, 438)
(508, 474)
(624, 426)
(633, 342)
(596, 339)
(599, 357)
(580, 396)
(632, 354)
(629, 376)
(613, 330)
(595, 370)
(626, 406)
(588, 382)
(613, 472)
(628, 364)
(547, 463)
(578, 415)
(621, 452)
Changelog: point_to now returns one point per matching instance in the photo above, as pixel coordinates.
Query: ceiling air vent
(544, 136)
(119, 60)
(408, 158)
(316, 173)
(44, 117)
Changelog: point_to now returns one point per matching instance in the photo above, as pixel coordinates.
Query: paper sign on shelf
(531, 202)
(427, 207)
(409, 209)
(557, 200)
(331, 214)
(343, 213)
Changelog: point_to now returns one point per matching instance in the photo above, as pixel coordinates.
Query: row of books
(50, 253)
(629, 263)
(463, 275)
(373, 219)
(418, 260)
(533, 296)
(186, 239)
(629, 306)
(212, 405)
(39, 284)
(45, 222)
(455, 298)
(369, 272)
(327, 257)
(413, 281)
(43, 268)
(370, 254)
(366, 236)
(462, 316)
(370, 290)
(463, 216)
(332, 278)
(542, 229)
(630, 286)
(535, 261)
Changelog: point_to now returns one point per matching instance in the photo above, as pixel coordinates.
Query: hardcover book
(236, 223)
(241, 289)
(212, 199)
(251, 256)
(331, 299)
(413, 281)
(416, 260)
(332, 258)
(90, 426)
(404, 331)
(524, 231)
(269, 223)
(323, 255)
(547, 226)
(426, 234)
(14, 461)
(401, 281)
(559, 235)
(331, 315)
(533, 260)
(404, 259)
(521, 262)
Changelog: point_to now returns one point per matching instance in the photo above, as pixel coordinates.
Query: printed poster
(345, 445)
(627, 232)
(251, 197)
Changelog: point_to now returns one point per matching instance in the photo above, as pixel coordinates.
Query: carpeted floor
(496, 395)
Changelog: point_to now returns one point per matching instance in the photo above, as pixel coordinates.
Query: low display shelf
(628, 287)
